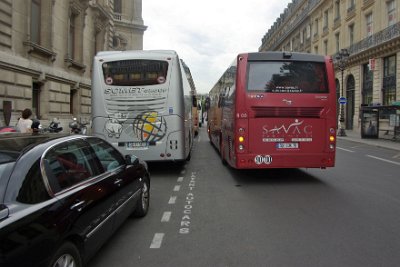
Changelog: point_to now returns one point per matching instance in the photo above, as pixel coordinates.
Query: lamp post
(341, 61)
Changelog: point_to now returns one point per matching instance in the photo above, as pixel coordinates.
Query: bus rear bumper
(266, 161)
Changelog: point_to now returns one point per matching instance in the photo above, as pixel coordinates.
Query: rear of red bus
(285, 111)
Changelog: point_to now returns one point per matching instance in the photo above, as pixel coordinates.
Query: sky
(208, 34)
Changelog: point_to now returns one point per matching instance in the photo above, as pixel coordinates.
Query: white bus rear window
(135, 72)
(287, 77)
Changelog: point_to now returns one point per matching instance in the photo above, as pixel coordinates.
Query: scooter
(77, 127)
(54, 126)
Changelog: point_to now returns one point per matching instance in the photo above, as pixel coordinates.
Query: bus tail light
(332, 138)
(241, 139)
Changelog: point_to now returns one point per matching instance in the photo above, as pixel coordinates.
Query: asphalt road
(206, 214)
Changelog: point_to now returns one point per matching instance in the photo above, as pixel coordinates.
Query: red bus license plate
(287, 145)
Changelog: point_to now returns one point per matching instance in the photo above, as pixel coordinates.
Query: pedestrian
(24, 124)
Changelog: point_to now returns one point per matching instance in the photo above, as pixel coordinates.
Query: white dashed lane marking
(157, 240)
(177, 188)
(172, 200)
(166, 216)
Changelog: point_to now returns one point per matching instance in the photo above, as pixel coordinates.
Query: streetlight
(341, 61)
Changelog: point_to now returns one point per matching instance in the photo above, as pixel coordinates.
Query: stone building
(368, 29)
(46, 52)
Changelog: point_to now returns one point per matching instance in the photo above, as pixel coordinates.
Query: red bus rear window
(287, 77)
(135, 72)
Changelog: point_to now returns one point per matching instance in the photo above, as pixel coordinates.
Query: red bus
(275, 110)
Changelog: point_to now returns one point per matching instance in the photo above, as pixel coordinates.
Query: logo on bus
(260, 159)
(149, 127)
(114, 124)
(294, 130)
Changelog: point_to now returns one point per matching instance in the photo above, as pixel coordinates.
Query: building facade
(368, 29)
(47, 48)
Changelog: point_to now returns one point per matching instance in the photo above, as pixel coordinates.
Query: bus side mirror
(194, 101)
(207, 103)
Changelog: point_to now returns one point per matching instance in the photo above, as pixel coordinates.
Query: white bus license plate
(287, 145)
(133, 145)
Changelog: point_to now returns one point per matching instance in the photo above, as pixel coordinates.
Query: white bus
(141, 103)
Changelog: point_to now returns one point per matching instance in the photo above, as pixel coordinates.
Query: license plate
(136, 144)
(287, 145)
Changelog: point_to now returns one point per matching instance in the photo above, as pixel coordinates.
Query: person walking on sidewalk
(24, 124)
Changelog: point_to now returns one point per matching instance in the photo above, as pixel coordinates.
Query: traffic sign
(342, 100)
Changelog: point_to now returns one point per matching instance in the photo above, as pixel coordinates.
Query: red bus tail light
(241, 139)
(332, 138)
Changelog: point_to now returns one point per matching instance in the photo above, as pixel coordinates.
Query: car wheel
(143, 203)
(67, 255)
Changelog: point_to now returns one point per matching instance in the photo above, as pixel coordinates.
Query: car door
(126, 176)
(84, 189)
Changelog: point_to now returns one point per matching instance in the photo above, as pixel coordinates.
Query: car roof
(12, 145)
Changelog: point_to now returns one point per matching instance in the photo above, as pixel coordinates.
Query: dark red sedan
(61, 197)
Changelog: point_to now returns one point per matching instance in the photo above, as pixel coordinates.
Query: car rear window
(12, 145)
(287, 77)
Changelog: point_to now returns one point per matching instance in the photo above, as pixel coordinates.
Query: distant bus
(275, 110)
(142, 103)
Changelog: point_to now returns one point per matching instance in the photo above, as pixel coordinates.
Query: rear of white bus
(138, 104)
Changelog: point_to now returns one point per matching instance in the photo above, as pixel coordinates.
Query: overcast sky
(208, 34)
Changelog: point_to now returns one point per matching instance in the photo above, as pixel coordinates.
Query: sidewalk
(356, 137)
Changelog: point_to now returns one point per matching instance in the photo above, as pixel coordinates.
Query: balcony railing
(118, 16)
(376, 39)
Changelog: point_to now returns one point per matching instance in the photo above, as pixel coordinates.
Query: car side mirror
(4, 212)
(131, 160)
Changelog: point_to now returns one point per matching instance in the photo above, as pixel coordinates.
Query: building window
(36, 99)
(389, 80)
(316, 27)
(35, 21)
(337, 42)
(302, 37)
(117, 9)
(316, 49)
(71, 37)
(39, 37)
(326, 47)
(73, 100)
(326, 20)
(117, 6)
(337, 10)
(391, 9)
(351, 5)
(369, 24)
(368, 76)
(76, 25)
(351, 34)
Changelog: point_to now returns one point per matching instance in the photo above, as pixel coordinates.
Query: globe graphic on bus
(149, 127)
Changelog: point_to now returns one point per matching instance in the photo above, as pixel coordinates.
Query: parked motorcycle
(77, 127)
(36, 126)
(54, 126)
